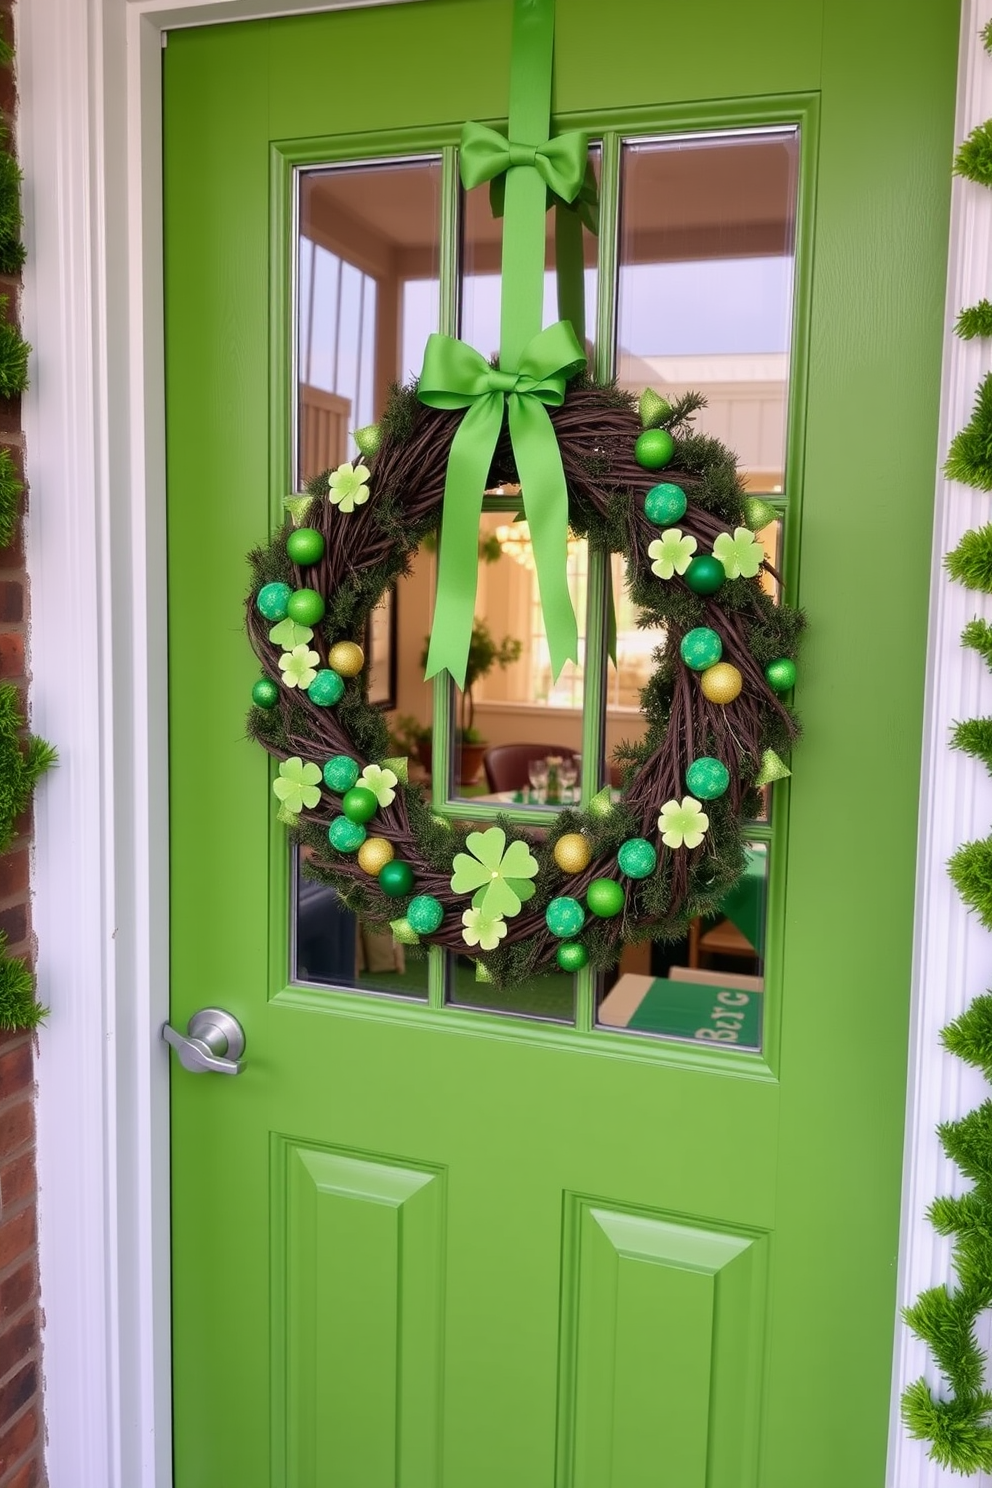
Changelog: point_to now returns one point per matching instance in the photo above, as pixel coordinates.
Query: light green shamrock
(741, 555)
(683, 825)
(380, 782)
(297, 785)
(299, 666)
(347, 486)
(672, 553)
(499, 877)
(288, 634)
(485, 931)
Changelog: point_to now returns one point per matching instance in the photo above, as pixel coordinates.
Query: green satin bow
(455, 375)
(560, 162)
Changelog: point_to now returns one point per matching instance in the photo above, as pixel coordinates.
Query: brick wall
(21, 1423)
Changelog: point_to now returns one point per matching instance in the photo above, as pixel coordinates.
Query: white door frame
(90, 144)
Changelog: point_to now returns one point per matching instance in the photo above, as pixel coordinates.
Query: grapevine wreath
(633, 478)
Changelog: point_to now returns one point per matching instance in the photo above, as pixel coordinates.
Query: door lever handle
(212, 1044)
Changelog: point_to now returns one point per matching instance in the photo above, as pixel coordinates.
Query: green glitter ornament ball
(564, 917)
(265, 693)
(654, 448)
(326, 689)
(605, 897)
(305, 606)
(272, 600)
(347, 836)
(637, 858)
(781, 674)
(305, 546)
(665, 504)
(425, 914)
(359, 804)
(340, 773)
(701, 648)
(707, 778)
(705, 574)
(571, 956)
(396, 879)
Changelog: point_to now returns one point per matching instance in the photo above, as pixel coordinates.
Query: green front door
(570, 1242)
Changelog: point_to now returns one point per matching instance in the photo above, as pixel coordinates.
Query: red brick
(16, 1393)
(28, 1476)
(11, 655)
(17, 1238)
(16, 1070)
(14, 924)
(10, 413)
(17, 1341)
(11, 601)
(16, 1125)
(17, 1291)
(19, 1438)
(18, 1181)
(15, 873)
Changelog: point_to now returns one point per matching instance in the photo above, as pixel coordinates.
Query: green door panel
(419, 1246)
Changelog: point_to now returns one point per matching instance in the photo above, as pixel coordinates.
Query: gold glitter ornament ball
(374, 854)
(572, 852)
(346, 658)
(721, 683)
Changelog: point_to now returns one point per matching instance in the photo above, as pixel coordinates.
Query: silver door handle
(212, 1044)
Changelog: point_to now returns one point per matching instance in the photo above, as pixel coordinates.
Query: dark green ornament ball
(305, 546)
(665, 504)
(564, 917)
(272, 600)
(265, 693)
(701, 648)
(305, 606)
(340, 773)
(326, 689)
(359, 804)
(347, 836)
(637, 858)
(781, 674)
(705, 574)
(571, 956)
(396, 879)
(425, 913)
(654, 448)
(605, 897)
(707, 778)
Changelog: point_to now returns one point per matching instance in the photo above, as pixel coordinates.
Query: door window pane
(549, 997)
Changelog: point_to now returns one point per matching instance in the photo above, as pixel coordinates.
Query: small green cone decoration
(403, 932)
(368, 440)
(653, 409)
(772, 769)
(758, 513)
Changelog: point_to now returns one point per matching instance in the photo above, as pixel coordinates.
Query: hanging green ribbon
(455, 375)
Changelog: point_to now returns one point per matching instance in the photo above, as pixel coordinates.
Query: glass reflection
(708, 230)
(550, 997)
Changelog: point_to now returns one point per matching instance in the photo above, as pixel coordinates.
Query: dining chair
(506, 764)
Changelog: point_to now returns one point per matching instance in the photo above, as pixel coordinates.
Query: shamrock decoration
(347, 486)
(299, 666)
(741, 555)
(485, 931)
(683, 825)
(500, 878)
(297, 785)
(672, 553)
(289, 635)
(380, 782)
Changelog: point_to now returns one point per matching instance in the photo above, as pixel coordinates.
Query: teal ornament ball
(707, 778)
(305, 546)
(305, 606)
(571, 956)
(665, 504)
(272, 601)
(396, 879)
(705, 574)
(347, 836)
(359, 804)
(340, 773)
(654, 448)
(265, 693)
(326, 689)
(781, 674)
(425, 913)
(637, 858)
(605, 897)
(564, 917)
(701, 648)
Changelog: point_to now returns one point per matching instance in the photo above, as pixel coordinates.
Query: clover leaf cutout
(499, 874)
(485, 931)
(683, 824)
(672, 552)
(741, 555)
(289, 635)
(380, 782)
(299, 666)
(347, 486)
(297, 785)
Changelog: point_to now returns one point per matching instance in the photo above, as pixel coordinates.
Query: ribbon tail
(545, 496)
(458, 563)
